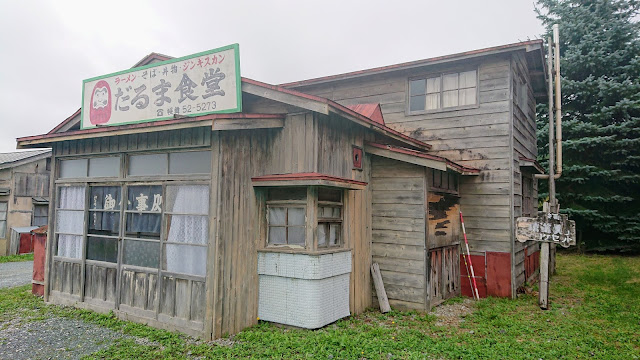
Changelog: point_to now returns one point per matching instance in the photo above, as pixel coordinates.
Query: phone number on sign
(199, 107)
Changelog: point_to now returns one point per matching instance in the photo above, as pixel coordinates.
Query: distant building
(24, 192)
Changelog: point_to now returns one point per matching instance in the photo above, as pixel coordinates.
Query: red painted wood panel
(498, 274)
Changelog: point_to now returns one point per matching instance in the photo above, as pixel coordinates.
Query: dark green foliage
(600, 67)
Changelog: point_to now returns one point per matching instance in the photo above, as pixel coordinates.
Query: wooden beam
(309, 182)
(246, 124)
(381, 294)
(283, 97)
(438, 165)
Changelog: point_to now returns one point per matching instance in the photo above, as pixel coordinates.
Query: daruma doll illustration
(100, 111)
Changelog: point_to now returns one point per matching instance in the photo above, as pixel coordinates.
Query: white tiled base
(307, 291)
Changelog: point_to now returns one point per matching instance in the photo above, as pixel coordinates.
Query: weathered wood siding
(307, 143)
(477, 137)
(524, 145)
(398, 231)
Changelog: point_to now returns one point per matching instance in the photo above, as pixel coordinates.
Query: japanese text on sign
(195, 85)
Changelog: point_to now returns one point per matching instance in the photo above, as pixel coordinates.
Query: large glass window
(143, 217)
(104, 223)
(187, 229)
(70, 221)
(443, 91)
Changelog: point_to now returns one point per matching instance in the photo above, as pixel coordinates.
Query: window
(443, 91)
(70, 221)
(143, 217)
(104, 223)
(528, 205)
(286, 216)
(108, 166)
(329, 217)
(443, 181)
(3, 219)
(40, 215)
(187, 232)
(175, 163)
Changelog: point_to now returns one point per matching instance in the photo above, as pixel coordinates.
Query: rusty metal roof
(372, 111)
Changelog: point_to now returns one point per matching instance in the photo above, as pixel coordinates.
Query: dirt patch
(452, 314)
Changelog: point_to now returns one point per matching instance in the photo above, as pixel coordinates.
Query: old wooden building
(277, 208)
(24, 196)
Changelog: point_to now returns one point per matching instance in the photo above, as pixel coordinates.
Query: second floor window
(443, 91)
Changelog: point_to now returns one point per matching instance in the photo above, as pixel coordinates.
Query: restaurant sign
(199, 84)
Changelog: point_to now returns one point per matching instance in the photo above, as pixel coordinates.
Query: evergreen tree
(600, 68)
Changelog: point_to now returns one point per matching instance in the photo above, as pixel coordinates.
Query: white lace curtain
(70, 221)
(188, 206)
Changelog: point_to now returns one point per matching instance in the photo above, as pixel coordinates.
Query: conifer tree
(600, 68)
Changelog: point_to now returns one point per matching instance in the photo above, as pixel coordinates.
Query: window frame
(287, 204)
(6, 215)
(327, 222)
(441, 91)
(33, 216)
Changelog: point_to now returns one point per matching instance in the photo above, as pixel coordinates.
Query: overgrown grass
(595, 313)
(16, 258)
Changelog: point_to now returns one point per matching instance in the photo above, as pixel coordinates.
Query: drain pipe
(558, 107)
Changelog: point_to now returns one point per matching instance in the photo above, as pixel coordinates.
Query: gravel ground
(53, 338)
(453, 314)
(15, 273)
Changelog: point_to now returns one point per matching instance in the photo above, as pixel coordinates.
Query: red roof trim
(460, 168)
(306, 176)
(65, 122)
(339, 108)
(107, 129)
(410, 63)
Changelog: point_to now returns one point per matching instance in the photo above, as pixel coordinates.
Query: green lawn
(16, 258)
(594, 313)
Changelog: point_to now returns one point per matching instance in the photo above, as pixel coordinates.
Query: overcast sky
(48, 48)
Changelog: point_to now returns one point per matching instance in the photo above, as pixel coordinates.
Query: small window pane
(450, 82)
(70, 246)
(296, 216)
(417, 103)
(437, 178)
(277, 235)
(322, 234)
(102, 249)
(141, 253)
(292, 193)
(433, 101)
(3, 206)
(296, 235)
(145, 198)
(277, 216)
(190, 162)
(145, 226)
(70, 222)
(104, 223)
(104, 166)
(450, 98)
(334, 234)
(152, 164)
(467, 96)
(468, 79)
(433, 85)
(327, 194)
(3, 229)
(191, 229)
(73, 168)
(417, 87)
(105, 198)
(185, 259)
(452, 182)
(72, 197)
(188, 199)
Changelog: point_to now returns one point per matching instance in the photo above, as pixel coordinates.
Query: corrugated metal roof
(6, 158)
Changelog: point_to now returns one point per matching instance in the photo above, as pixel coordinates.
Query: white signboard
(198, 84)
(547, 227)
